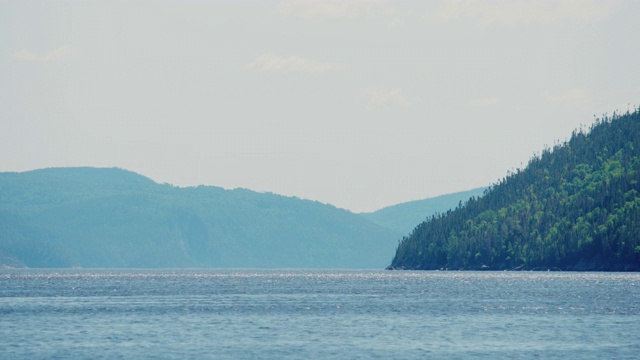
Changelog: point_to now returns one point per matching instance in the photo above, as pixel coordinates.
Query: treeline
(92, 217)
(574, 207)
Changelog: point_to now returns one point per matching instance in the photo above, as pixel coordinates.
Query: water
(317, 314)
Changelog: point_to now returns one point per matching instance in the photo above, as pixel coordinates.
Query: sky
(358, 103)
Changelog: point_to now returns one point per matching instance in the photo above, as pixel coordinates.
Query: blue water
(317, 314)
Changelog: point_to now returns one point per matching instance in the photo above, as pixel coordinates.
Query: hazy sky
(361, 104)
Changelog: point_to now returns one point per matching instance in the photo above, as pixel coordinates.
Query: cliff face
(574, 207)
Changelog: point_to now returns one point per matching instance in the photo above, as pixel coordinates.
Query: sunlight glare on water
(334, 314)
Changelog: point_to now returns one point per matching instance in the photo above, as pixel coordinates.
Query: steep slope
(575, 207)
(91, 217)
(402, 218)
(22, 244)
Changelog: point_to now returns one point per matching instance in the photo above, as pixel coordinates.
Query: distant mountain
(96, 217)
(575, 207)
(402, 218)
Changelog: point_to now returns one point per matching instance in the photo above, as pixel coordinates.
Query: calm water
(317, 314)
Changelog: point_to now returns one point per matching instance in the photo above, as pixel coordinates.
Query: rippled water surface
(317, 314)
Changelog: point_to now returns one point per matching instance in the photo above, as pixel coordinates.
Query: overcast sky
(361, 104)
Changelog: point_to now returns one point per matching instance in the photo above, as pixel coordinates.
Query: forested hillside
(403, 217)
(574, 207)
(90, 217)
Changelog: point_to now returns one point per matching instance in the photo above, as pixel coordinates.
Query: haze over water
(265, 314)
(358, 103)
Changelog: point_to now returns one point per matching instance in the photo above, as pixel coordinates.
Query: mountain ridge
(574, 207)
(110, 217)
(403, 217)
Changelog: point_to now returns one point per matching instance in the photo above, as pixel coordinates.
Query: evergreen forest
(113, 218)
(575, 206)
(403, 217)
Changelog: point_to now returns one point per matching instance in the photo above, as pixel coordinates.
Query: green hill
(574, 207)
(402, 218)
(90, 217)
